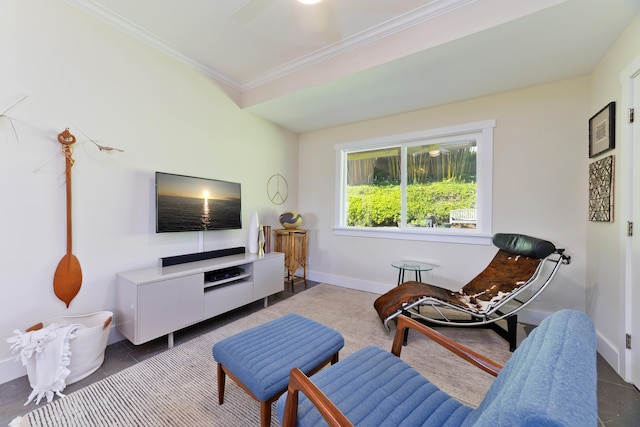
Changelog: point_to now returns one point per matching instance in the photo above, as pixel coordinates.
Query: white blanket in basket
(46, 355)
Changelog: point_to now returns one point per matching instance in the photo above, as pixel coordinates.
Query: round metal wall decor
(277, 189)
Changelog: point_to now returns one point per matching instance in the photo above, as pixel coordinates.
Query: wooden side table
(293, 243)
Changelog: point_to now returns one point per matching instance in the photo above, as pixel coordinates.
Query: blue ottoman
(259, 359)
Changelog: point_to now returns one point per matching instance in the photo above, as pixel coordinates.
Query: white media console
(157, 301)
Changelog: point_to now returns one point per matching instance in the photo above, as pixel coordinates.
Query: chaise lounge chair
(513, 279)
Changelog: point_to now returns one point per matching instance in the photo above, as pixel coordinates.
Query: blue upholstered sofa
(550, 380)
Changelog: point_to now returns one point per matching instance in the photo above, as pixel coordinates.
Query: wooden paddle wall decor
(68, 276)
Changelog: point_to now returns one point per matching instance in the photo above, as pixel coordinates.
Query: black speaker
(199, 256)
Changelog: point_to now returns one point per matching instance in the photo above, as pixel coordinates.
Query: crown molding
(108, 17)
(425, 13)
(430, 11)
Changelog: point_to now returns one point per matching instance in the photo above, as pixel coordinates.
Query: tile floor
(618, 402)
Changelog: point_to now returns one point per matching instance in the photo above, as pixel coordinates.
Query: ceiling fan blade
(250, 10)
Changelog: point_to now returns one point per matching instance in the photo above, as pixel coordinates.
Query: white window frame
(482, 130)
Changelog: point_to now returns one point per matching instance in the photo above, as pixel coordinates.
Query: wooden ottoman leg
(221, 380)
(265, 413)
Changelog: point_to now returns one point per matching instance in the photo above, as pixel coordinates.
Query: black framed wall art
(602, 131)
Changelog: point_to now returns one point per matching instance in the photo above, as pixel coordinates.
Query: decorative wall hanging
(602, 131)
(68, 276)
(277, 189)
(103, 148)
(601, 180)
(3, 115)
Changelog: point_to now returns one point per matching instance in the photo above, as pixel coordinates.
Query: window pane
(373, 188)
(432, 185)
(441, 184)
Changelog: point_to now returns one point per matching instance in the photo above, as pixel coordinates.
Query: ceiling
(308, 67)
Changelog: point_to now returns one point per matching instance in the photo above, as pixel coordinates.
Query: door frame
(630, 83)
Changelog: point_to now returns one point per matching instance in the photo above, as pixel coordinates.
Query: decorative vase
(252, 240)
(291, 219)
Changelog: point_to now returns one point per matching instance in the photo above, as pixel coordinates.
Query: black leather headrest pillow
(523, 245)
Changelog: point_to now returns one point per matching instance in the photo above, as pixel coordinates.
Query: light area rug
(178, 386)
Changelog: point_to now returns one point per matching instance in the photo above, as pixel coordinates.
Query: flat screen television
(187, 203)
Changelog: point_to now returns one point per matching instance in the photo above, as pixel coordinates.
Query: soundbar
(199, 256)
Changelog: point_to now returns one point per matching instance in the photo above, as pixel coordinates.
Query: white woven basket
(88, 347)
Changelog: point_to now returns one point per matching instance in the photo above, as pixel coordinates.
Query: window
(429, 185)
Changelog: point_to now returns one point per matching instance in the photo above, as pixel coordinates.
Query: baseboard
(609, 352)
(532, 317)
(10, 368)
(349, 282)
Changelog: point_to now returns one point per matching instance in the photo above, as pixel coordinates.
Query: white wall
(540, 180)
(606, 241)
(82, 74)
